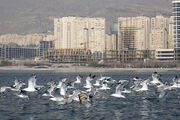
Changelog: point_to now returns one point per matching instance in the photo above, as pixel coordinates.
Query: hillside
(36, 16)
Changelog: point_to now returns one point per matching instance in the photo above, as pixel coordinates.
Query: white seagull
(144, 86)
(31, 85)
(78, 79)
(118, 92)
(88, 81)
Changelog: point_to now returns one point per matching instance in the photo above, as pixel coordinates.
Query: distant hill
(36, 16)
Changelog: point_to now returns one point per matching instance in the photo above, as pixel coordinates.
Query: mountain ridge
(36, 16)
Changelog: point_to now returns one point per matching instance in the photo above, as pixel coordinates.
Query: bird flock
(67, 91)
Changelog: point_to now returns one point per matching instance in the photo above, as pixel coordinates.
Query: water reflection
(118, 114)
(144, 110)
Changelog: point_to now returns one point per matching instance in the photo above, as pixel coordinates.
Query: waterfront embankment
(84, 69)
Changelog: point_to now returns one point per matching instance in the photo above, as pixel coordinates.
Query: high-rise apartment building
(78, 32)
(159, 38)
(114, 34)
(176, 28)
(110, 42)
(134, 32)
(171, 34)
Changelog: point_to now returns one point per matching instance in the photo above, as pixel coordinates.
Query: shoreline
(85, 69)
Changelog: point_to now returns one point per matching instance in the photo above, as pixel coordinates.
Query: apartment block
(159, 36)
(134, 32)
(80, 32)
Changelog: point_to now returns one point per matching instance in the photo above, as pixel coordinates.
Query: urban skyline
(89, 33)
(142, 39)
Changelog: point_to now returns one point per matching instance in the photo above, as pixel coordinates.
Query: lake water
(104, 107)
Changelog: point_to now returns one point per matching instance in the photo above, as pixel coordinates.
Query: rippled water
(105, 107)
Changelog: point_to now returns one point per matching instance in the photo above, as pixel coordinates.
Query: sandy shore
(85, 69)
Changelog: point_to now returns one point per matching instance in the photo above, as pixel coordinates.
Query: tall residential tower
(78, 32)
(159, 38)
(134, 32)
(176, 21)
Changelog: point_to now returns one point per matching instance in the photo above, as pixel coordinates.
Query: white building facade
(159, 36)
(79, 32)
(141, 28)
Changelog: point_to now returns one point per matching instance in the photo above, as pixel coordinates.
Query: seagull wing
(31, 83)
(119, 88)
(56, 92)
(64, 80)
(163, 94)
(16, 82)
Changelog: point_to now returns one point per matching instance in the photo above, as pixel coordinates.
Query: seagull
(62, 86)
(104, 86)
(56, 96)
(144, 85)
(3, 89)
(119, 88)
(93, 91)
(163, 87)
(88, 81)
(155, 79)
(22, 94)
(63, 89)
(109, 80)
(70, 84)
(74, 96)
(35, 85)
(15, 82)
(31, 85)
(61, 82)
(164, 93)
(136, 83)
(97, 83)
(17, 86)
(137, 79)
(50, 89)
(125, 83)
(102, 78)
(78, 79)
(175, 83)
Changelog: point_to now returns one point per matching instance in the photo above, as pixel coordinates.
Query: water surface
(105, 107)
